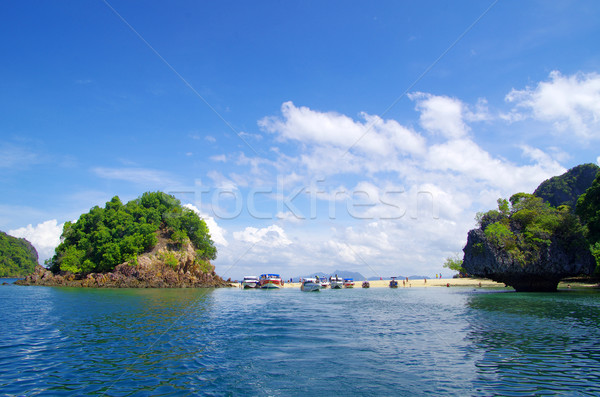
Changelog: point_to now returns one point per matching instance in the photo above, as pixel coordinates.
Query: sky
(311, 136)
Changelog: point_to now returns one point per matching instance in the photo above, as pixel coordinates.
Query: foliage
(565, 189)
(588, 209)
(454, 263)
(528, 226)
(17, 256)
(117, 233)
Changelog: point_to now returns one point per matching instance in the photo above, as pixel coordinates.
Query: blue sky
(312, 136)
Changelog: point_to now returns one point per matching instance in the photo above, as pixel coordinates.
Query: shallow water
(121, 342)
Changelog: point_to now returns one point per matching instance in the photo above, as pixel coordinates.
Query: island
(532, 241)
(150, 242)
(17, 256)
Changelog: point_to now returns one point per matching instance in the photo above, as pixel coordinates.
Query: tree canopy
(454, 263)
(17, 256)
(588, 209)
(565, 189)
(105, 237)
(527, 225)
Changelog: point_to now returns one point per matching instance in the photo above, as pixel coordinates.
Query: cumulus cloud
(44, 236)
(373, 135)
(441, 114)
(571, 103)
(271, 236)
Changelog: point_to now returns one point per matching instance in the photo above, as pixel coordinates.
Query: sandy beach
(421, 283)
(444, 282)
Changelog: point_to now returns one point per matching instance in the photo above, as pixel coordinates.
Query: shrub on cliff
(17, 256)
(106, 237)
(527, 244)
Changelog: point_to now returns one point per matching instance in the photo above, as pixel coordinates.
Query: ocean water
(162, 342)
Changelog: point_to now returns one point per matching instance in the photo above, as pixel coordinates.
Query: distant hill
(18, 257)
(565, 189)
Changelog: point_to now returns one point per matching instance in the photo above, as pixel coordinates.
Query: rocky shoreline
(127, 276)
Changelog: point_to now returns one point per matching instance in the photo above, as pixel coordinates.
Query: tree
(454, 263)
(588, 209)
(106, 237)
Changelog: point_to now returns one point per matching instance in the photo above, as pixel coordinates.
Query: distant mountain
(565, 189)
(17, 256)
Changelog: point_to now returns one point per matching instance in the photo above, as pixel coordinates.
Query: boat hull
(270, 285)
(310, 287)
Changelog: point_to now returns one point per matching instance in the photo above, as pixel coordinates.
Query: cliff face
(166, 266)
(555, 262)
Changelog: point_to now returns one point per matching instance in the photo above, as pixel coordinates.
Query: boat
(250, 282)
(324, 283)
(348, 283)
(335, 282)
(270, 281)
(393, 283)
(366, 284)
(310, 285)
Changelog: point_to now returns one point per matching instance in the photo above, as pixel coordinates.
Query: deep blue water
(444, 341)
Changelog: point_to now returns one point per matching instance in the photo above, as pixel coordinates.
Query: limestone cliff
(557, 261)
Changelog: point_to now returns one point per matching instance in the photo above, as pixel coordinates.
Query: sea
(227, 342)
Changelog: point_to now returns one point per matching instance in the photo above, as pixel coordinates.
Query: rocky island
(531, 245)
(152, 241)
(17, 256)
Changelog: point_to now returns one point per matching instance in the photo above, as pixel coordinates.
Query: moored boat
(348, 283)
(324, 283)
(366, 284)
(310, 285)
(393, 283)
(270, 281)
(250, 282)
(336, 282)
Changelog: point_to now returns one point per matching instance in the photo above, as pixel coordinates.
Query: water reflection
(534, 343)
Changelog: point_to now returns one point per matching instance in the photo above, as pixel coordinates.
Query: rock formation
(483, 259)
(166, 266)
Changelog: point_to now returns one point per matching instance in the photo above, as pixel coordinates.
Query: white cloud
(45, 237)
(271, 236)
(217, 233)
(441, 114)
(571, 103)
(139, 176)
(220, 158)
(12, 156)
(373, 136)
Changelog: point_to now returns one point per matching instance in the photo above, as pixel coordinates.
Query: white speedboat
(250, 282)
(348, 283)
(310, 285)
(324, 283)
(270, 281)
(336, 282)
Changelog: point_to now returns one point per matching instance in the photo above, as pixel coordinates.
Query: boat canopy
(348, 279)
(269, 275)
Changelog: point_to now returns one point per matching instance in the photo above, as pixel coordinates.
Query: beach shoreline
(445, 282)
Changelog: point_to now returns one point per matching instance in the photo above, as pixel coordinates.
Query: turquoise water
(445, 341)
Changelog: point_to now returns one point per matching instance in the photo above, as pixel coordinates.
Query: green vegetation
(528, 226)
(117, 233)
(17, 256)
(454, 263)
(588, 209)
(565, 189)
